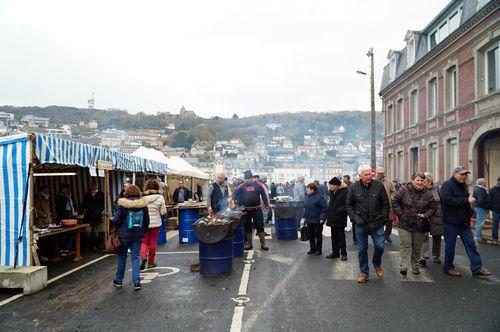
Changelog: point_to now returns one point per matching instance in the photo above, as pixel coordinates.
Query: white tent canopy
(175, 165)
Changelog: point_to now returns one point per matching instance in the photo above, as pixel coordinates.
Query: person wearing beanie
(337, 218)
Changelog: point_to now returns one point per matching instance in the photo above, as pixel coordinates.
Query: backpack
(134, 220)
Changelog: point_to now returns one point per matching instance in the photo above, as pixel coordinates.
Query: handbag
(423, 225)
(304, 235)
(113, 243)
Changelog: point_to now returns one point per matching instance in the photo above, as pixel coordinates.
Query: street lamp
(372, 93)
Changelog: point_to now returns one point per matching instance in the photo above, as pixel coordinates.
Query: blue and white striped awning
(15, 156)
(53, 150)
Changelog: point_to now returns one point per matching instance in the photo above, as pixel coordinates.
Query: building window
(432, 97)
(399, 114)
(413, 161)
(445, 28)
(390, 166)
(432, 161)
(392, 67)
(410, 53)
(492, 69)
(389, 119)
(400, 167)
(451, 88)
(451, 155)
(413, 107)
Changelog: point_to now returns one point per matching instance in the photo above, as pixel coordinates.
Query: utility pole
(372, 88)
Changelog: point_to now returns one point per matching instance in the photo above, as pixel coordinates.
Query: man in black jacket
(181, 194)
(218, 194)
(368, 208)
(494, 205)
(457, 211)
(337, 218)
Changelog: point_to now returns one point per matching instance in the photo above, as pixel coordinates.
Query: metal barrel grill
(216, 243)
(286, 219)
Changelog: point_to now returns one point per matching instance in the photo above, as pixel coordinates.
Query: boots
(262, 237)
(248, 238)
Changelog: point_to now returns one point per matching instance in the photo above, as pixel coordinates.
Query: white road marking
(175, 252)
(17, 296)
(237, 321)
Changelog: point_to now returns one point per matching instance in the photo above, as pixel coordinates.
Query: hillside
(188, 130)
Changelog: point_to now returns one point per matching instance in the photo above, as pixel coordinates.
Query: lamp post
(372, 95)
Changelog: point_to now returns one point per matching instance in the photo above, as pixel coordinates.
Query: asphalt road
(287, 291)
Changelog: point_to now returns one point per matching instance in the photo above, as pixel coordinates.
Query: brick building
(441, 95)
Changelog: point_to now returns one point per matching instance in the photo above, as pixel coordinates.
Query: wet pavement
(287, 291)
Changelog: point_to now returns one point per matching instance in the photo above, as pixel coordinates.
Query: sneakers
(117, 284)
(388, 239)
(363, 278)
(343, 257)
(311, 252)
(453, 273)
(318, 253)
(403, 271)
(143, 264)
(482, 273)
(137, 286)
(379, 272)
(152, 265)
(437, 260)
(422, 262)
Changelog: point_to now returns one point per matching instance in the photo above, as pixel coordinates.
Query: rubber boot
(262, 237)
(248, 237)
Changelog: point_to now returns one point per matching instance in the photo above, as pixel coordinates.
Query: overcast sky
(214, 57)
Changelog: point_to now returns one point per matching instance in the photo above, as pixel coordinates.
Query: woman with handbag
(414, 205)
(131, 221)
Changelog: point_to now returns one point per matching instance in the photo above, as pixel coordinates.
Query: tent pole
(25, 202)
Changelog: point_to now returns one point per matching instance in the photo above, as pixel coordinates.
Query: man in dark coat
(250, 195)
(181, 194)
(494, 205)
(480, 193)
(93, 205)
(368, 208)
(218, 195)
(457, 211)
(337, 218)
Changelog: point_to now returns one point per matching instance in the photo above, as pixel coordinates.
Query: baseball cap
(461, 170)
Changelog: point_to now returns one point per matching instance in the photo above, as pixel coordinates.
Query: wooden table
(56, 232)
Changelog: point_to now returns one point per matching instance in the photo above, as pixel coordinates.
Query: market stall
(27, 161)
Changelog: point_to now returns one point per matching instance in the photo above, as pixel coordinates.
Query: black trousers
(254, 217)
(315, 232)
(338, 240)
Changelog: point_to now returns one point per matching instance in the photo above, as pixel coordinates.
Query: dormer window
(392, 56)
(410, 52)
(445, 28)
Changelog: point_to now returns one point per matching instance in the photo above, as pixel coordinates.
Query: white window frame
(433, 171)
(400, 122)
(392, 67)
(390, 117)
(443, 28)
(411, 160)
(454, 163)
(486, 73)
(435, 95)
(451, 87)
(410, 52)
(413, 111)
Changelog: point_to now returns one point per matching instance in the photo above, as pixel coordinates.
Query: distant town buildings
(35, 121)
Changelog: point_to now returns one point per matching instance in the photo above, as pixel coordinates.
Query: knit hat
(335, 181)
(248, 175)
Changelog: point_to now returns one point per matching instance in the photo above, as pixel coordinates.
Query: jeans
(494, 230)
(450, 239)
(148, 246)
(480, 219)
(362, 232)
(135, 245)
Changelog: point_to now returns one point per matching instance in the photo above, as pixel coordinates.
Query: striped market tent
(50, 154)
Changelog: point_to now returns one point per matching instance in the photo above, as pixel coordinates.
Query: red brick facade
(476, 114)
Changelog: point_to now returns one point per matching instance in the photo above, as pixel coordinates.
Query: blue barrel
(239, 241)
(285, 228)
(162, 234)
(216, 259)
(186, 219)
